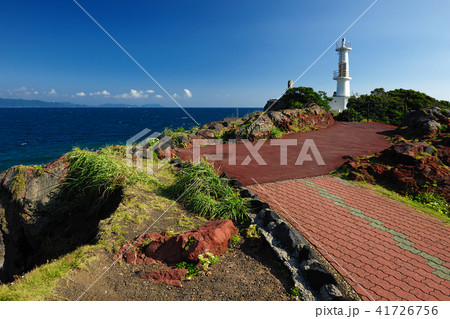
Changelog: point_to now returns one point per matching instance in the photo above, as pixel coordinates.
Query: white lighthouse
(342, 76)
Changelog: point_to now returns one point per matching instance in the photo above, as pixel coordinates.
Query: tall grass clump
(101, 172)
(206, 194)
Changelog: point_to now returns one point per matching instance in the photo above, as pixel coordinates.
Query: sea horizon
(39, 135)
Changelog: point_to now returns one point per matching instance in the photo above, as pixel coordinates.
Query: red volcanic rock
(213, 237)
(165, 153)
(170, 277)
(131, 257)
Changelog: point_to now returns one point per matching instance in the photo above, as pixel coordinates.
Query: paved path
(333, 143)
(383, 248)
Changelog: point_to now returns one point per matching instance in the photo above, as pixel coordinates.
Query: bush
(388, 106)
(296, 97)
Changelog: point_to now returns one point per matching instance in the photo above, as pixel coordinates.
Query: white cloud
(137, 94)
(25, 91)
(81, 94)
(104, 93)
(188, 93)
(133, 94)
(52, 92)
(175, 95)
(150, 91)
(158, 96)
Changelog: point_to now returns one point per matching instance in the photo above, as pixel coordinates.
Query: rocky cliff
(38, 220)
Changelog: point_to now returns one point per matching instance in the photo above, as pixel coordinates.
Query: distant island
(4, 103)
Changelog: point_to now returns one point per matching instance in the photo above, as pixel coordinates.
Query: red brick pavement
(369, 258)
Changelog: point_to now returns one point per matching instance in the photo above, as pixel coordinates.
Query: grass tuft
(275, 132)
(101, 172)
(208, 195)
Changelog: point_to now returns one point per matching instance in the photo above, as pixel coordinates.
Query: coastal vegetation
(388, 107)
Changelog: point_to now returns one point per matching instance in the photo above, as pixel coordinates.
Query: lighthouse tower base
(339, 103)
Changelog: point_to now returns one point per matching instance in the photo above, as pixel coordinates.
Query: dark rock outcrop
(260, 128)
(425, 124)
(28, 201)
(2, 252)
(408, 167)
(275, 105)
(39, 220)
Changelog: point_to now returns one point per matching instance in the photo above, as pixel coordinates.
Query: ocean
(34, 136)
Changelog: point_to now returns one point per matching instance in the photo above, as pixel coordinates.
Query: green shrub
(434, 201)
(296, 97)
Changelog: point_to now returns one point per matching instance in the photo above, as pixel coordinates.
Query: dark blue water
(39, 135)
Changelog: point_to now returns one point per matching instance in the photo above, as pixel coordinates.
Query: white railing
(343, 74)
(346, 44)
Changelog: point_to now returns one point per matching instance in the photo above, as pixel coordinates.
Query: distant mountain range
(37, 103)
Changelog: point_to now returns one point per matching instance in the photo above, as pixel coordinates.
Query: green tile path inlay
(401, 239)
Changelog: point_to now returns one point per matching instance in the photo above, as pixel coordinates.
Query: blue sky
(217, 53)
